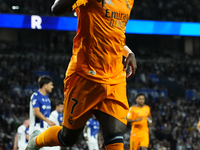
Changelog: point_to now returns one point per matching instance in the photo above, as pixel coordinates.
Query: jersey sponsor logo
(96, 127)
(118, 19)
(46, 107)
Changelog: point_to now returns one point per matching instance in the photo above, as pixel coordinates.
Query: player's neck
(140, 106)
(43, 91)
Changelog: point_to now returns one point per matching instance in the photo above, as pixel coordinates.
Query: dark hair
(59, 103)
(140, 94)
(44, 80)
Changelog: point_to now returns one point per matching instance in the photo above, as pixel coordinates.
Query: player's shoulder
(147, 107)
(54, 112)
(130, 3)
(34, 95)
(21, 127)
(133, 106)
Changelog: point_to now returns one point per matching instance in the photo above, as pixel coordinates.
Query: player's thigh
(134, 143)
(112, 111)
(145, 141)
(81, 96)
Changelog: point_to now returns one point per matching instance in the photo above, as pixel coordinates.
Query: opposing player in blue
(40, 106)
(57, 115)
(91, 131)
(22, 136)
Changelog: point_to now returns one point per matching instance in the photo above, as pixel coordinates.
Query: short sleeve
(20, 130)
(89, 122)
(35, 102)
(129, 115)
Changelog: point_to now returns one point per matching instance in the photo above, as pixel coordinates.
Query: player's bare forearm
(149, 120)
(15, 142)
(130, 120)
(61, 6)
(39, 114)
(27, 137)
(130, 61)
(42, 117)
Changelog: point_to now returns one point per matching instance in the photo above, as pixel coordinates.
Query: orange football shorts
(137, 142)
(83, 96)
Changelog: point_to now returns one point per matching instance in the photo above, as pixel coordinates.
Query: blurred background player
(91, 132)
(198, 126)
(40, 106)
(139, 116)
(22, 136)
(56, 116)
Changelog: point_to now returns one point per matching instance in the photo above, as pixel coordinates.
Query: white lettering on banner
(36, 22)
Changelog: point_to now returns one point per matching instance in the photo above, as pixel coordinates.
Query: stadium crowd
(174, 118)
(175, 10)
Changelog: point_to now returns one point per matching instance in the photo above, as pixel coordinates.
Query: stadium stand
(175, 10)
(175, 118)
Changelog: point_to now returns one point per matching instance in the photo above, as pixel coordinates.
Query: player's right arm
(136, 120)
(15, 142)
(61, 6)
(42, 117)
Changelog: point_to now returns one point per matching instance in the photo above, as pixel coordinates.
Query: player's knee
(65, 140)
(114, 138)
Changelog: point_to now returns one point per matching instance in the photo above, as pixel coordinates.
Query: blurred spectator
(175, 10)
(175, 119)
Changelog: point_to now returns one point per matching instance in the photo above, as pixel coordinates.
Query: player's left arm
(100, 139)
(61, 6)
(15, 142)
(129, 61)
(149, 118)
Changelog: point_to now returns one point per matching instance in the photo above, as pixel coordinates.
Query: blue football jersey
(94, 127)
(43, 103)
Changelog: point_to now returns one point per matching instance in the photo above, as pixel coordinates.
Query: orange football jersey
(98, 44)
(136, 112)
(199, 124)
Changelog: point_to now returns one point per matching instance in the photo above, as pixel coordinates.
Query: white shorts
(92, 143)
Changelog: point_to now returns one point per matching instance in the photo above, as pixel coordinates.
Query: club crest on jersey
(127, 4)
(70, 120)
